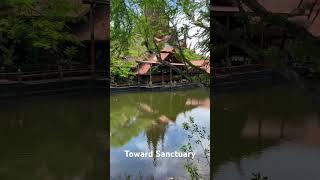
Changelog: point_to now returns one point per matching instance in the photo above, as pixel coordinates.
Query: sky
(194, 31)
(181, 20)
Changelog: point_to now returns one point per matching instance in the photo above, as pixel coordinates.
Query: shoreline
(52, 87)
(9, 90)
(156, 88)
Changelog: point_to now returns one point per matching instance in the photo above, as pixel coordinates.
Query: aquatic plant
(258, 176)
(196, 136)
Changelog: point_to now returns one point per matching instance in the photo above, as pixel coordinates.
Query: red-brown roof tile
(165, 52)
(203, 64)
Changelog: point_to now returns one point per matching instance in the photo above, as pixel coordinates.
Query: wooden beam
(92, 38)
(150, 78)
(99, 2)
(262, 39)
(162, 78)
(170, 76)
(93, 4)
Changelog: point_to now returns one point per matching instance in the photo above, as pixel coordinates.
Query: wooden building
(153, 70)
(302, 13)
(226, 12)
(81, 28)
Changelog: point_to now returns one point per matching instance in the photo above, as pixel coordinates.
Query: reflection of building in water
(307, 131)
(198, 102)
(155, 133)
(134, 114)
(247, 124)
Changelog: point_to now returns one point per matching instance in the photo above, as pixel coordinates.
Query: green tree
(30, 27)
(137, 24)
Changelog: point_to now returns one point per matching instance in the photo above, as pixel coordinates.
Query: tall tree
(146, 21)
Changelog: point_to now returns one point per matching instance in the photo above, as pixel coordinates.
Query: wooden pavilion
(227, 13)
(153, 70)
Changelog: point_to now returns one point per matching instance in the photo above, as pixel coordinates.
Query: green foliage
(273, 57)
(132, 30)
(68, 54)
(197, 135)
(190, 55)
(121, 27)
(198, 13)
(136, 24)
(8, 55)
(192, 169)
(120, 69)
(137, 49)
(258, 176)
(35, 25)
(146, 19)
(301, 49)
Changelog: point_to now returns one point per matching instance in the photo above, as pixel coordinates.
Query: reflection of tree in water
(155, 134)
(147, 112)
(55, 141)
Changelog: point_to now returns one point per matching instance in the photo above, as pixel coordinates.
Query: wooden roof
(287, 6)
(203, 64)
(283, 7)
(144, 66)
(165, 52)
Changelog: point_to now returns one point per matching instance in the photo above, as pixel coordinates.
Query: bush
(121, 70)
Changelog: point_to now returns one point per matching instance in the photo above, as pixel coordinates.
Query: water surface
(56, 137)
(150, 121)
(274, 131)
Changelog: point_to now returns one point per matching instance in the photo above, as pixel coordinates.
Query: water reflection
(153, 121)
(52, 138)
(273, 131)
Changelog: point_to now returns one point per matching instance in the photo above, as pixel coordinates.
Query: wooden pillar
(282, 129)
(19, 75)
(228, 53)
(259, 128)
(262, 39)
(228, 46)
(162, 78)
(170, 76)
(60, 71)
(228, 23)
(93, 4)
(150, 75)
(228, 61)
(92, 39)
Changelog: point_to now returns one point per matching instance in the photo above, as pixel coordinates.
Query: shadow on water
(274, 131)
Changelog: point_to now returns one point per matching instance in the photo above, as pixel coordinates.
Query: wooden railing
(233, 70)
(49, 73)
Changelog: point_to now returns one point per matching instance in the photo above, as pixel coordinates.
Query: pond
(55, 137)
(274, 132)
(154, 121)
